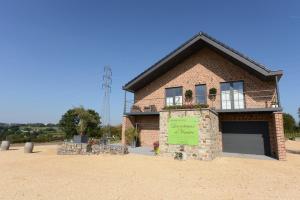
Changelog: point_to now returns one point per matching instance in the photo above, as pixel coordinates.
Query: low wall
(210, 137)
(70, 148)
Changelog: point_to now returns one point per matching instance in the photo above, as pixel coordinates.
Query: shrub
(42, 138)
(80, 120)
(130, 135)
(188, 95)
(289, 123)
(212, 91)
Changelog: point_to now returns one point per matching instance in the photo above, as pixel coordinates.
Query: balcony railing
(259, 99)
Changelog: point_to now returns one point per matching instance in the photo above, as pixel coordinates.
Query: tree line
(75, 121)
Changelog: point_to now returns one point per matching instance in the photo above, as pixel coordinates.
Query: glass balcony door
(232, 95)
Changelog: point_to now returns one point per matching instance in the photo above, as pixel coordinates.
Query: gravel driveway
(45, 175)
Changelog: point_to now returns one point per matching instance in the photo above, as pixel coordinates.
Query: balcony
(249, 101)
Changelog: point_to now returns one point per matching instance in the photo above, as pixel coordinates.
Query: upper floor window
(232, 95)
(200, 94)
(174, 96)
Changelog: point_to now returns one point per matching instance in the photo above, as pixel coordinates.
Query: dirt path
(45, 175)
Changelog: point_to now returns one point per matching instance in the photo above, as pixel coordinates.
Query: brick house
(243, 117)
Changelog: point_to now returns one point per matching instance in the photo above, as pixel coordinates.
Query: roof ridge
(237, 52)
(209, 40)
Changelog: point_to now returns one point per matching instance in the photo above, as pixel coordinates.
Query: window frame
(205, 93)
(174, 96)
(231, 94)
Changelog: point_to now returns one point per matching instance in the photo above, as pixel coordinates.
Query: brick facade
(279, 135)
(210, 68)
(148, 128)
(127, 122)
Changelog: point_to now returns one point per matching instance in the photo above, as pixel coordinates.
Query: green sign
(183, 130)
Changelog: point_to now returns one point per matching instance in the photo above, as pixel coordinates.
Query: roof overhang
(185, 50)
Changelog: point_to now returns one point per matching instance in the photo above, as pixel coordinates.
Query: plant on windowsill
(188, 96)
(212, 92)
(212, 95)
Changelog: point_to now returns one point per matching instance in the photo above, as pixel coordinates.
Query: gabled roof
(192, 45)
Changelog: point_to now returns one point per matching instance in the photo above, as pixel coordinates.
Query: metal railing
(249, 99)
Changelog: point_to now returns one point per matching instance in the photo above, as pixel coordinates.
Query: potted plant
(188, 95)
(5, 144)
(274, 104)
(156, 147)
(212, 92)
(131, 137)
(212, 95)
(84, 119)
(28, 147)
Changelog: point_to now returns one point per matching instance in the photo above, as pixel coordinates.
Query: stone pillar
(127, 122)
(210, 138)
(279, 135)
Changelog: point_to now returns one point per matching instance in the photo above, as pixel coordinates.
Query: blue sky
(52, 52)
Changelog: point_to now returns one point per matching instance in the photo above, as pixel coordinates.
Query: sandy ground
(45, 175)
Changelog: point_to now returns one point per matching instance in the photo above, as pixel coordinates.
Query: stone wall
(70, 148)
(210, 137)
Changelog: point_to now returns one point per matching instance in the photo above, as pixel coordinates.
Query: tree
(116, 132)
(289, 123)
(299, 116)
(80, 121)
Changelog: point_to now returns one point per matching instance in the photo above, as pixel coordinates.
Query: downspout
(277, 92)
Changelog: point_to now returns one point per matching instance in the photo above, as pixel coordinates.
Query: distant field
(21, 133)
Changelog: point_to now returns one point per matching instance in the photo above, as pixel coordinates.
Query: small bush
(212, 91)
(130, 135)
(188, 95)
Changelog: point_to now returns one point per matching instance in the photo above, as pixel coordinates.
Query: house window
(201, 94)
(232, 95)
(174, 96)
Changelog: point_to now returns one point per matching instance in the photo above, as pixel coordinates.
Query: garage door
(246, 137)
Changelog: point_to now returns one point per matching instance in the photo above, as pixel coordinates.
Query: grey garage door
(246, 137)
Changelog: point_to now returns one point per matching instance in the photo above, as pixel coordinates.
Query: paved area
(141, 150)
(251, 156)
